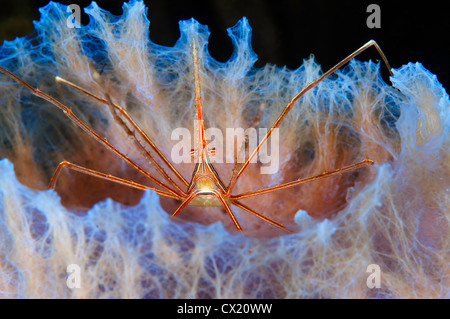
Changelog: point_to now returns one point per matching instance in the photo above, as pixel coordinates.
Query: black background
(286, 32)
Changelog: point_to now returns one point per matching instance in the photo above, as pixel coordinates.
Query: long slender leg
(184, 203)
(264, 218)
(219, 196)
(228, 209)
(243, 147)
(137, 129)
(108, 177)
(341, 170)
(201, 140)
(68, 112)
(301, 93)
(141, 147)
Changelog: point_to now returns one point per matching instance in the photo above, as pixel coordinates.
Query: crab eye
(192, 153)
(212, 151)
